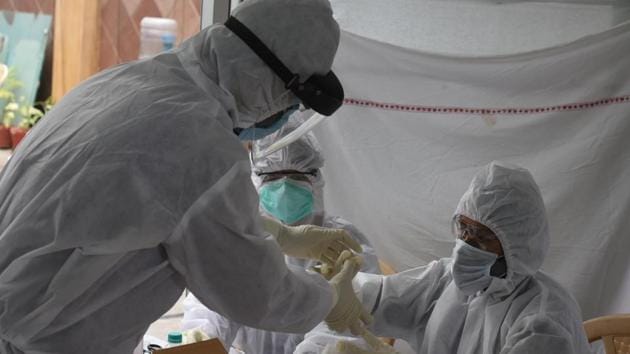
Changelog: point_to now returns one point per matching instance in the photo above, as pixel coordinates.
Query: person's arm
(539, 334)
(199, 317)
(402, 302)
(235, 269)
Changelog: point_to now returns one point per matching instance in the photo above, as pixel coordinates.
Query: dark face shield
(322, 93)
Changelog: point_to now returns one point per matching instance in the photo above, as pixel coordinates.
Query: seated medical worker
(290, 185)
(490, 296)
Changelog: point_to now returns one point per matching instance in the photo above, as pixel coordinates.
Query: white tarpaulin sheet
(416, 127)
(482, 27)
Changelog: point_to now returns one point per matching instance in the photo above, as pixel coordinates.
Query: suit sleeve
(237, 270)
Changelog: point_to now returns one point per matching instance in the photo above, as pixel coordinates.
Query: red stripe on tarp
(486, 111)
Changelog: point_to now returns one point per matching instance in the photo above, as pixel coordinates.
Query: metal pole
(215, 11)
(221, 11)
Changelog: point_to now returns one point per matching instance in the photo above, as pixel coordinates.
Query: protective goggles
(322, 93)
(292, 174)
(478, 232)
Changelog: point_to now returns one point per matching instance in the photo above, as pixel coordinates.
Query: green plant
(7, 95)
(10, 84)
(29, 115)
(9, 113)
(46, 105)
(34, 113)
(15, 108)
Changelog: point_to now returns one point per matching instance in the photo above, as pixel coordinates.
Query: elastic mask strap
(290, 79)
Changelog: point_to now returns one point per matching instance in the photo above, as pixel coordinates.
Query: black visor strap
(254, 43)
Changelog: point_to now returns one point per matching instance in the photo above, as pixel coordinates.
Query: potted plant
(5, 135)
(29, 116)
(7, 119)
(7, 95)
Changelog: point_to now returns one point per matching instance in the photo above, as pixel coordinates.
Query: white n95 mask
(471, 267)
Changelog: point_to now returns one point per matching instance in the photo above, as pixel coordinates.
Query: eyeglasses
(480, 233)
(292, 174)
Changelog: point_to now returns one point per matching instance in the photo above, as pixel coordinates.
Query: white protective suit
(302, 155)
(525, 312)
(135, 186)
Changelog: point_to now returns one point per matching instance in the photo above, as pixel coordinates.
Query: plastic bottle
(156, 35)
(168, 41)
(175, 339)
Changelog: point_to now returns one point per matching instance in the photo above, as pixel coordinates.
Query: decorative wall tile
(192, 18)
(109, 33)
(35, 6)
(131, 6)
(120, 24)
(165, 7)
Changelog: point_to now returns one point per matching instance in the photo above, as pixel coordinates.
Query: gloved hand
(376, 346)
(194, 336)
(348, 312)
(309, 241)
(349, 348)
(330, 270)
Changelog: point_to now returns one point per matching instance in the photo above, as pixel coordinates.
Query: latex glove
(194, 336)
(348, 312)
(349, 348)
(328, 271)
(376, 345)
(309, 241)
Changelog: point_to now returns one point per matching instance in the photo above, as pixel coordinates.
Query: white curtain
(416, 127)
(478, 27)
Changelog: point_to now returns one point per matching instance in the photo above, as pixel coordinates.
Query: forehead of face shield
(302, 155)
(267, 126)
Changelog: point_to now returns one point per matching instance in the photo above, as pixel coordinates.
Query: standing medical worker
(136, 185)
(291, 188)
(490, 297)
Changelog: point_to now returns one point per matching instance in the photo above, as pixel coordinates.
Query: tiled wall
(45, 6)
(37, 6)
(120, 27)
(120, 24)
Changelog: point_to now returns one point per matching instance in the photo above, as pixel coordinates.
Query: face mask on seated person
(287, 200)
(471, 267)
